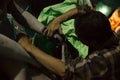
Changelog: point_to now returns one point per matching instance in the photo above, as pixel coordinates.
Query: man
(14, 58)
(52, 12)
(115, 20)
(104, 6)
(102, 63)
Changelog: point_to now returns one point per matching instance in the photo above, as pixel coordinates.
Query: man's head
(92, 27)
(115, 20)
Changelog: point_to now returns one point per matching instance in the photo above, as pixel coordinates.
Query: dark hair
(92, 25)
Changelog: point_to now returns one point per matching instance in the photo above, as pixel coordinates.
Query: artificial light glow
(104, 10)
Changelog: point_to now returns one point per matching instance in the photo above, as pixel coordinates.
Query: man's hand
(25, 42)
(52, 27)
(55, 24)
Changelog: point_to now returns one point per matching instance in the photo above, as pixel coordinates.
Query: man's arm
(11, 49)
(25, 18)
(94, 65)
(55, 24)
(67, 15)
(51, 63)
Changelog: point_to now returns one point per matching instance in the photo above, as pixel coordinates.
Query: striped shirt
(100, 65)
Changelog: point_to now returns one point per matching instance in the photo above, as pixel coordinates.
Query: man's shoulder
(112, 50)
(99, 63)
